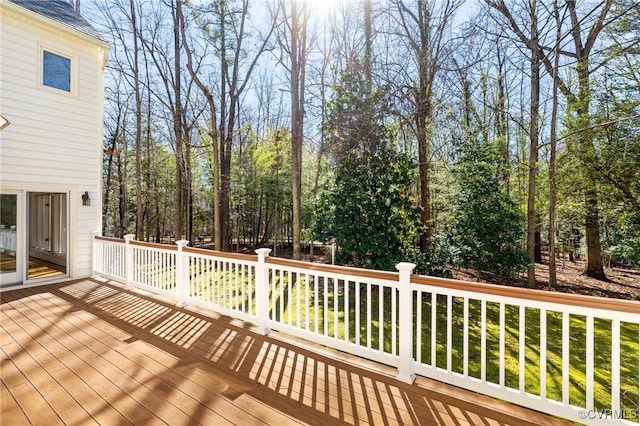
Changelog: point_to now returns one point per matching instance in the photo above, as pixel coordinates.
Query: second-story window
(56, 71)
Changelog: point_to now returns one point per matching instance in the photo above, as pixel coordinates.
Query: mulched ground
(622, 283)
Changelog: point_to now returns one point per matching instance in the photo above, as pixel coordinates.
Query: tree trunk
(428, 47)
(138, 135)
(177, 127)
(501, 117)
(214, 153)
(111, 152)
(122, 191)
(595, 267)
(533, 152)
(553, 281)
(423, 116)
(297, 56)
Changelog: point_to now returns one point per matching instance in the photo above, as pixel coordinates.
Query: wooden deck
(89, 352)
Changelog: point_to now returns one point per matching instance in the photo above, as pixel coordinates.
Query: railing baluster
(281, 292)
(380, 318)
(218, 282)
(236, 295)
(347, 284)
(465, 338)
(155, 268)
(483, 340)
(316, 297)
(289, 298)
(615, 364)
(565, 357)
(522, 318)
(418, 328)
(394, 321)
(298, 299)
(501, 356)
(434, 328)
(225, 284)
(307, 302)
(357, 309)
(368, 322)
(543, 353)
(589, 361)
(336, 307)
(449, 331)
(243, 288)
(325, 312)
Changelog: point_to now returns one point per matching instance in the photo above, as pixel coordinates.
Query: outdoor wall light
(3, 122)
(86, 201)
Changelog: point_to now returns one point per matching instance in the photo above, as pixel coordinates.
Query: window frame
(73, 71)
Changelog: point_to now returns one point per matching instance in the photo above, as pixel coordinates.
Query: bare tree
(135, 69)
(552, 149)
(212, 129)
(534, 116)
(425, 29)
(294, 43)
(578, 103)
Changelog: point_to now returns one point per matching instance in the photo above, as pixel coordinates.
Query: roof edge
(13, 7)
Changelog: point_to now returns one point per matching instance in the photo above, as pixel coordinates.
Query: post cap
(263, 251)
(405, 266)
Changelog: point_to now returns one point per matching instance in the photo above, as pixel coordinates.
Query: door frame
(17, 277)
(27, 230)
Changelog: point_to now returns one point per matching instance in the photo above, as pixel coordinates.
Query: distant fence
(576, 357)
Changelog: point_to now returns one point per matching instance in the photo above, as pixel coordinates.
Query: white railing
(549, 351)
(356, 311)
(224, 283)
(572, 356)
(109, 258)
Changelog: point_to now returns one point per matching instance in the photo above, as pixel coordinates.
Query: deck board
(93, 352)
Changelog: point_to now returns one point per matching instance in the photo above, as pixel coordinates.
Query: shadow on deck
(88, 351)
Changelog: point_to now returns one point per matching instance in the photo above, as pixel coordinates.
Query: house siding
(54, 141)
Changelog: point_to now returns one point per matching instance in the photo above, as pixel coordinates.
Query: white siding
(54, 141)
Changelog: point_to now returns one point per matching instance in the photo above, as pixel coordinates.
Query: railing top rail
(207, 252)
(332, 269)
(154, 245)
(593, 302)
(110, 239)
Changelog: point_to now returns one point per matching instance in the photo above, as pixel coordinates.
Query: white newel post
(405, 322)
(182, 273)
(94, 253)
(262, 292)
(128, 263)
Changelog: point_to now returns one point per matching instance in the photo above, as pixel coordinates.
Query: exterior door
(47, 236)
(11, 237)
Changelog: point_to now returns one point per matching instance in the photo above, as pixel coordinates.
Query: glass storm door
(11, 230)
